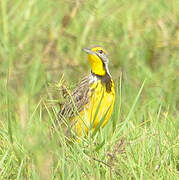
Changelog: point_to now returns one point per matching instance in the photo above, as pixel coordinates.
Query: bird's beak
(88, 51)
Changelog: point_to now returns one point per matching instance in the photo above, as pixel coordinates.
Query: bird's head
(98, 60)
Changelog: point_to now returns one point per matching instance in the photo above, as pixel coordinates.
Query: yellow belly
(98, 110)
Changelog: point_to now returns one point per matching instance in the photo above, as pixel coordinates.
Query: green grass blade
(131, 110)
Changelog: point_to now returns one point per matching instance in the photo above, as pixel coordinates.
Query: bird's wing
(76, 100)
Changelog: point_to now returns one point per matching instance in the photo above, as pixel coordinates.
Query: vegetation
(41, 42)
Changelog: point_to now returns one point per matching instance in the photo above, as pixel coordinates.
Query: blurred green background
(42, 40)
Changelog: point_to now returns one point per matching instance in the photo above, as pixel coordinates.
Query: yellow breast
(97, 111)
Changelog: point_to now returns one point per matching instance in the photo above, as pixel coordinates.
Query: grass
(41, 41)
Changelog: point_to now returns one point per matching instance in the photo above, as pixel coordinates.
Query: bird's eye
(100, 51)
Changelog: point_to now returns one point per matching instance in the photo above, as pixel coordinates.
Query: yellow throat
(96, 62)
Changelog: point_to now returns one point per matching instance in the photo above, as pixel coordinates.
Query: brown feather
(76, 100)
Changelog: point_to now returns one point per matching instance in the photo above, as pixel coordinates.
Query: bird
(91, 103)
